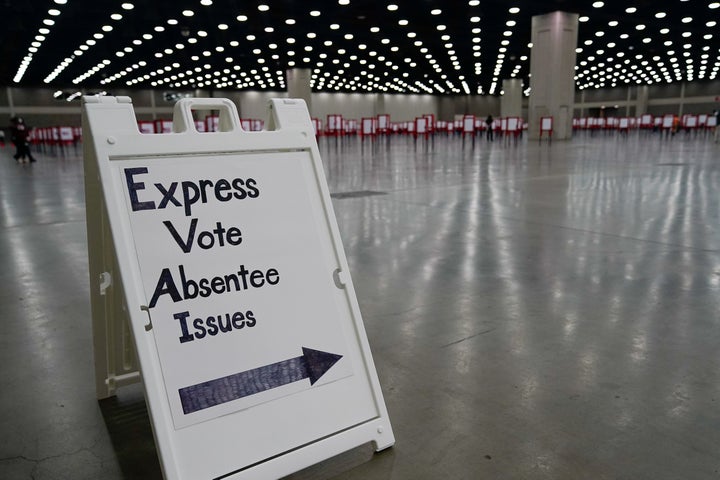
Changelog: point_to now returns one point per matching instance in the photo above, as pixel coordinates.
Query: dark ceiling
(398, 46)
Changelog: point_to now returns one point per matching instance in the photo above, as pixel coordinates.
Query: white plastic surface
(287, 224)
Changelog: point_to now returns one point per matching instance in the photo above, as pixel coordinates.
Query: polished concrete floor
(535, 311)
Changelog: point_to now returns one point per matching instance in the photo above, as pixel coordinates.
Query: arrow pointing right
(312, 364)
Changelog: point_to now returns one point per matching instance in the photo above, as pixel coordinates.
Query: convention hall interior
(526, 193)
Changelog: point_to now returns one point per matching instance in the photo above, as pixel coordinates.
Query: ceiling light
(631, 10)
(598, 4)
(584, 18)
(263, 8)
(392, 7)
(188, 13)
(127, 6)
(242, 18)
(315, 13)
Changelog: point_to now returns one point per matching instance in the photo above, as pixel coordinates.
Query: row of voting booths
(211, 123)
(336, 125)
(666, 122)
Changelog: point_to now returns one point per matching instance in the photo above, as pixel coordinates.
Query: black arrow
(311, 364)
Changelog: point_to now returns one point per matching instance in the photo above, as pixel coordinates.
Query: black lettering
(253, 191)
(238, 184)
(212, 326)
(165, 285)
(204, 184)
(200, 331)
(234, 236)
(218, 285)
(168, 195)
(243, 273)
(272, 277)
(222, 186)
(133, 188)
(227, 326)
(238, 320)
(219, 231)
(191, 194)
(189, 287)
(182, 317)
(204, 285)
(205, 240)
(234, 280)
(185, 246)
(257, 279)
(250, 316)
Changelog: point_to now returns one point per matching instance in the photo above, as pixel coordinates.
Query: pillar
(11, 103)
(298, 85)
(641, 100)
(379, 104)
(552, 72)
(511, 99)
(682, 99)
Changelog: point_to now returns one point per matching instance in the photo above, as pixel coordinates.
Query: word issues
(174, 283)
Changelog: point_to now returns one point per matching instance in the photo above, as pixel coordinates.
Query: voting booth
(546, 127)
(222, 258)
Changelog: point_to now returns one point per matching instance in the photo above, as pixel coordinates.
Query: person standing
(489, 122)
(717, 125)
(19, 133)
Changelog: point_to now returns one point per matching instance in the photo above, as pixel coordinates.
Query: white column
(298, 85)
(552, 70)
(511, 99)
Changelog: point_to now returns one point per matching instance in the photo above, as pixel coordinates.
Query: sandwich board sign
(248, 334)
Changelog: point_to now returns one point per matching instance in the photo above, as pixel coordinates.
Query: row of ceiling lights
(587, 77)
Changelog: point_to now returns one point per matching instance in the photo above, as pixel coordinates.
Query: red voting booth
(546, 127)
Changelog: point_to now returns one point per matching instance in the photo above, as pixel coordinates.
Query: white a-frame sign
(248, 334)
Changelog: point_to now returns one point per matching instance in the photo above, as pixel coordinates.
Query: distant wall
(676, 98)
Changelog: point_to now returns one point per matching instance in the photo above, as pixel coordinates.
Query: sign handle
(183, 121)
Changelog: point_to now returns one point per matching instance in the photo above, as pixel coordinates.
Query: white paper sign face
(667, 121)
(421, 125)
(66, 134)
(239, 279)
(546, 124)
